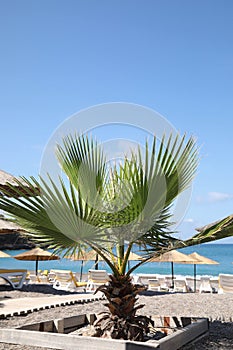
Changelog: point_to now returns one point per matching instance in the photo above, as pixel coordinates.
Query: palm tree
(104, 209)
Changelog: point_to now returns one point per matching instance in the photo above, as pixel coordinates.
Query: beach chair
(51, 277)
(225, 283)
(205, 285)
(96, 278)
(153, 284)
(33, 279)
(169, 281)
(163, 284)
(190, 283)
(65, 279)
(40, 278)
(180, 285)
(144, 278)
(15, 278)
(214, 282)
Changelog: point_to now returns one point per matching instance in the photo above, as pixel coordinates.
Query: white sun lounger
(205, 285)
(225, 283)
(180, 285)
(153, 284)
(65, 279)
(96, 278)
(15, 278)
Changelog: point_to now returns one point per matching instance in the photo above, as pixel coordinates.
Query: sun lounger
(163, 284)
(15, 278)
(35, 279)
(169, 281)
(180, 285)
(96, 278)
(205, 285)
(51, 277)
(153, 284)
(144, 278)
(225, 283)
(190, 283)
(214, 282)
(66, 280)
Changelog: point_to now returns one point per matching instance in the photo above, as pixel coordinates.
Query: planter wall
(54, 334)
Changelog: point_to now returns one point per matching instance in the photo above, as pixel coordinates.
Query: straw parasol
(7, 226)
(91, 255)
(36, 254)
(9, 185)
(82, 256)
(134, 257)
(201, 260)
(4, 255)
(173, 256)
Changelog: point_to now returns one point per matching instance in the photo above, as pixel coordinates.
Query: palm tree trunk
(121, 322)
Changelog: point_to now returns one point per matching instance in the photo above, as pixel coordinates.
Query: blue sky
(174, 56)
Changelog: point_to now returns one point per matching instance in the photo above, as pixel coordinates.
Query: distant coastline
(15, 241)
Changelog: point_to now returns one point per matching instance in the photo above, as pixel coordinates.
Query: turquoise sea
(222, 253)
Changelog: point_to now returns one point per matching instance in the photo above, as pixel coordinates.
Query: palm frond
(102, 209)
(212, 232)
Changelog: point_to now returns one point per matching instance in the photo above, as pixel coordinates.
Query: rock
(15, 241)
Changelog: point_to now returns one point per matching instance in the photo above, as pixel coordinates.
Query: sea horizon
(221, 253)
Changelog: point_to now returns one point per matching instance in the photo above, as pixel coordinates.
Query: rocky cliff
(15, 241)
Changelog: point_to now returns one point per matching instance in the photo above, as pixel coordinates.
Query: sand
(217, 307)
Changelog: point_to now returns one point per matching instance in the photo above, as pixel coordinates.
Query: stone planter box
(55, 334)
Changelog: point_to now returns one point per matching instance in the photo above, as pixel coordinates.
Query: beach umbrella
(133, 257)
(36, 254)
(4, 255)
(173, 256)
(82, 256)
(9, 185)
(201, 260)
(7, 226)
(92, 256)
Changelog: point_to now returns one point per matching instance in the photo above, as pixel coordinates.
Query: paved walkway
(22, 306)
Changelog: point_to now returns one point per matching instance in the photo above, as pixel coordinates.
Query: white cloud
(219, 196)
(190, 220)
(213, 197)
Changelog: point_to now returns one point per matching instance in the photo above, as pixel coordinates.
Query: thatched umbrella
(201, 260)
(82, 256)
(7, 226)
(5, 255)
(133, 257)
(36, 254)
(91, 255)
(9, 185)
(173, 256)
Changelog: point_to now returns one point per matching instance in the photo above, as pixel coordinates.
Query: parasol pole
(172, 275)
(195, 274)
(37, 265)
(81, 271)
(96, 262)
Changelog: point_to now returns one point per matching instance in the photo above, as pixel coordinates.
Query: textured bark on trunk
(121, 321)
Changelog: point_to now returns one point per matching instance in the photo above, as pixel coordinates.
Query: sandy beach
(217, 307)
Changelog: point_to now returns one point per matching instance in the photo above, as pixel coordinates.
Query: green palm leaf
(212, 232)
(100, 209)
